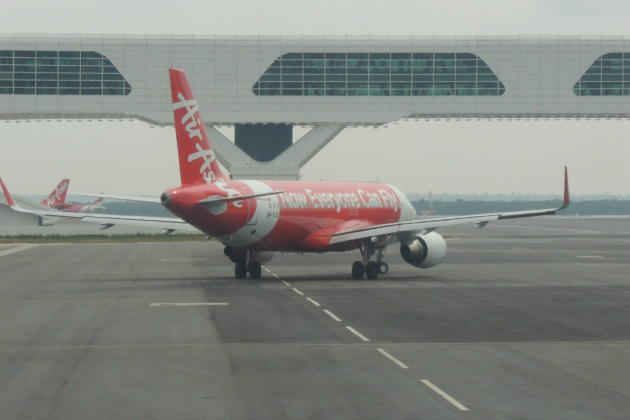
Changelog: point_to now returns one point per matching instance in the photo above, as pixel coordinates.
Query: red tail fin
(58, 195)
(197, 162)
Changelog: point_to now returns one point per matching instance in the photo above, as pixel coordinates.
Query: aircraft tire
(240, 271)
(372, 270)
(357, 270)
(255, 270)
(383, 268)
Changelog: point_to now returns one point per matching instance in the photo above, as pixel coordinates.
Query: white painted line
(297, 291)
(595, 257)
(275, 275)
(333, 316)
(357, 333)
(444, 395)
(314, 302)
(267, 270)
(393, 359)
(189, 304)
(17, 249)
(286, 283)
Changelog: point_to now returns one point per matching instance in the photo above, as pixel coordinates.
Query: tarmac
(526, 319)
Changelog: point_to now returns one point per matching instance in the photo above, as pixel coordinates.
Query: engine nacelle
(424, 251)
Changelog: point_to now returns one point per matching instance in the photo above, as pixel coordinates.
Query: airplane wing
(138, 198)
(105, 220)
(429, 224)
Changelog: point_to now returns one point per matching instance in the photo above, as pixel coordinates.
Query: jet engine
(424, 250)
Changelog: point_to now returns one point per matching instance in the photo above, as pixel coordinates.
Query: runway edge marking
(16, 249)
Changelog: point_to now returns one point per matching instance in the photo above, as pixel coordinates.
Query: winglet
(567, 198)
(7, 194)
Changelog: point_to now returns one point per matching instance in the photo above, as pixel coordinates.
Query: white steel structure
(264, 84)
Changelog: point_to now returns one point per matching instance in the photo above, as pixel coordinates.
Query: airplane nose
(165, 199)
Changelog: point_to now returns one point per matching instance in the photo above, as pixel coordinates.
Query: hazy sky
(442, 156)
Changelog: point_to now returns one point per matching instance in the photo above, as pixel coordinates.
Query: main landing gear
(243, 263)
(366, 267)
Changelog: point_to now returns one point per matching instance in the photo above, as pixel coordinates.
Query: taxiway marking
(595, 257)
(444, 395)
(189, 304)
(298, 291)
(330, 314)
(286, 283)
(393, 359)
(314, 302)
(17, 249)
(357, 333)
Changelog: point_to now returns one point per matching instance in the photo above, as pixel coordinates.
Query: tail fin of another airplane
(197, 161)
(58, 195)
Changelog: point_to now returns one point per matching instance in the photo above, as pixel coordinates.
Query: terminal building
(266, 85)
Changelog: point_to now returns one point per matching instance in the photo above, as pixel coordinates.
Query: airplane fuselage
(300, 218)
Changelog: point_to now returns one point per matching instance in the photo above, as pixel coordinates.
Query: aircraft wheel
(372, 270)
(383, 268)
(255, 270)
(357, 270)
(240, 271)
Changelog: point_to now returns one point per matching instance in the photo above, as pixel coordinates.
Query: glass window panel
(85, 91)
(6, 60)
(6, 91)
(270, 85)
(24, 83)
(112, 91)
(292, 92)
(6, 53)
(90, 54)
(311, 56)
(292, 85)
(270, 78)
(487, 92)
(444, 78)
(69, 84)
(379, 70)
(46, 83)
(358, 77)
(47, 76)
(357, 70)
(46, 69)
(270, 92)
(377, 91)
(612, 77)
(400, 77)
(314, 70)
(274, 70)
(108, 69)
(90, 84)
(291, 63)
(43, 61)
(314, 77)
(7, 75)
(335, 70)
(291, 77)
(91, 69)
(68, 91)
(24, 76)
(24, 53)
(69, 76)
(6, 83)
(69, 69)
(91, 76)
(379, 77)
(46, 91)
(24, 90)
(336, 77)
(292, 56)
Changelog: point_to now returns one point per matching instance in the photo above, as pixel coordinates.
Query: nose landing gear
(370, 268)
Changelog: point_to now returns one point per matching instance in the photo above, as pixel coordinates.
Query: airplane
(255, 218)
(57, 200)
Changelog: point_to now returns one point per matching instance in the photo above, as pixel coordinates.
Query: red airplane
(255, 218)
(57, 200)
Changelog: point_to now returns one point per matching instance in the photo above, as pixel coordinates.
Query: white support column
(286, 166)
